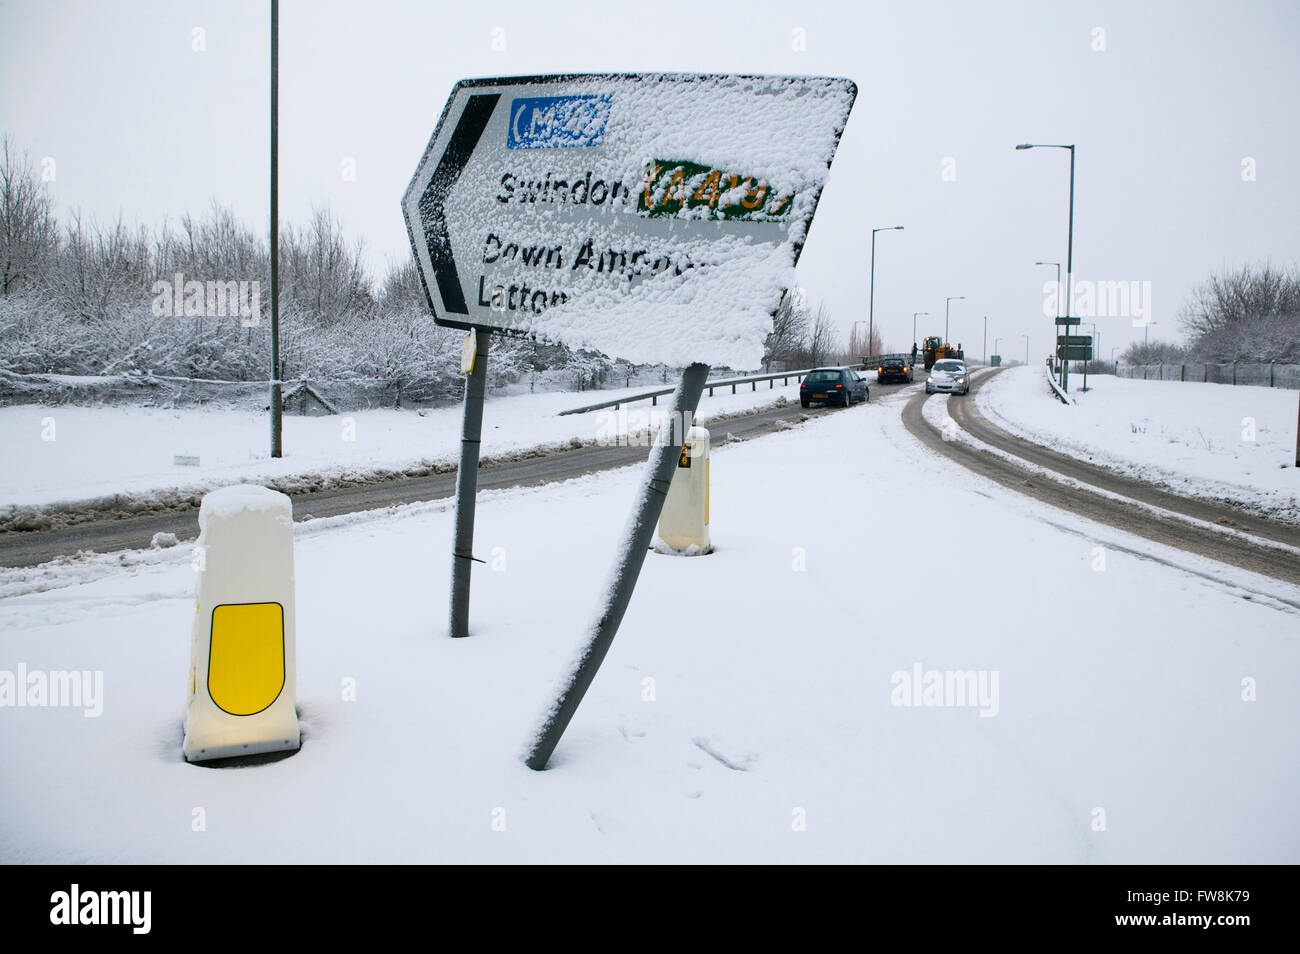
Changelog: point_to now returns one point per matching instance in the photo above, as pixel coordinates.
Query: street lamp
(1069, 253)
(1058, 284)
(855, 332)
(946, 301)
(1093, 347)
(1026, 337)
(871, 301)
(914, 314)
(1146, 334)
(986, 339)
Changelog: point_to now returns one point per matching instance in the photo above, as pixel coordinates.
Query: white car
(949, 375)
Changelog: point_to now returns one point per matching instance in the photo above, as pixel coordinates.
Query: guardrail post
(1270, 373)
(1234, 372)
(1182, 372)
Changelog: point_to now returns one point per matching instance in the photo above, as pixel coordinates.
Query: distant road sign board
(655, 217)
(1068, 321)
(1074, 352)
(1074, 340)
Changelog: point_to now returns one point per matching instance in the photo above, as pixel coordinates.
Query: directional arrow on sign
(474, 118)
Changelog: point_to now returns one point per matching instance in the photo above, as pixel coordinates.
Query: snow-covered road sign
(655, 217)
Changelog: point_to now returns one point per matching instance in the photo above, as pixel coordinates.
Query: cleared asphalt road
(135, 531)
(1122, 514)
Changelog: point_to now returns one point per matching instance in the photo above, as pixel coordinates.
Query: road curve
(1121, 514)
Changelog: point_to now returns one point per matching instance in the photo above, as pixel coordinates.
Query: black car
(894, 369)
(840, 386)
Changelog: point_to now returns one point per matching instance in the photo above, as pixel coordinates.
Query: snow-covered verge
(750, 710)
(1205, 440)
(124, 457)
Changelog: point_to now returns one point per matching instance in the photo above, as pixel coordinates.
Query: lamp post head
(1025, 145)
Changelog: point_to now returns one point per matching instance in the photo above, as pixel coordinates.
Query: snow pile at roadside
(1205, 440)
(752, 708)
(125, 456)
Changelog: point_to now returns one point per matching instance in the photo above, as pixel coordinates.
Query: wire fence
(1259, 374)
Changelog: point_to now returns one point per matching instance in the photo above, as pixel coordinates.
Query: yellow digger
(936, 349)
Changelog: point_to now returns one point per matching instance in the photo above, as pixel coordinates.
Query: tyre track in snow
(1126, 515)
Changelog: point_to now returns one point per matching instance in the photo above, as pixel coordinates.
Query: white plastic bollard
(243, 683)
(684, 522)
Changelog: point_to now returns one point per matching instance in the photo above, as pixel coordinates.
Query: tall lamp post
(1069, 251)
(1026, 337)
(946, 302)
(915, 340)
(855, 332)
(986, 339)
(277, 400)
(1146, 334)
(871, 299)
(1056, 328)
(1058, 284)
(1093, 348)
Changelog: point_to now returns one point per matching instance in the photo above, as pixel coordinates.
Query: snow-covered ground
(69, 454)
(750, 709)
(1208, 440)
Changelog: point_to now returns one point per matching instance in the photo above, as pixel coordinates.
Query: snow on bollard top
(232, 501)
(653, 217)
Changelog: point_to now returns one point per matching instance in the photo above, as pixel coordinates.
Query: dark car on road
(893, 369)
(840, 386)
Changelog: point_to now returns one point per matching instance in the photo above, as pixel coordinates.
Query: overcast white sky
(139, 122)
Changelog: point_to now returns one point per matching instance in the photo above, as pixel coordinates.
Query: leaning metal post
(659, 474)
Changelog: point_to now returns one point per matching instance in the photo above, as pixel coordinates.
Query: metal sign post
(1066, 322)
(462, 552)
(659, 476)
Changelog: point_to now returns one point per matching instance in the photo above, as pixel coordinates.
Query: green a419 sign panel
(654, 217)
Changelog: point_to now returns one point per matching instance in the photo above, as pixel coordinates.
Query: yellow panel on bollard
(684, 521)
(246, 662)
(242, 693)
